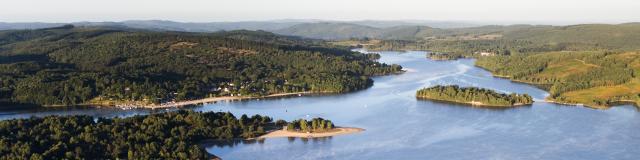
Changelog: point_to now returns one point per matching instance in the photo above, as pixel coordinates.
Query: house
(485, 53)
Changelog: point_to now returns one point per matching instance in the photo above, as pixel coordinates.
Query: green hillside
(517, 39)
(597, 79)
(616, 37)
(79, 65)
(328, 30)
(590, 64)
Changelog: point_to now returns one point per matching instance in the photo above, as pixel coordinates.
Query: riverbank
(334, 132)
(140, 104)
(225, 98)
(600, 107)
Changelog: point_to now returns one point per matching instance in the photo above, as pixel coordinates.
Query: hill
(618, 37)
(596, 79)
(161, 25)
(342, 31)
(85, 65)
(240, 25)
(326, 30)
(516, 39)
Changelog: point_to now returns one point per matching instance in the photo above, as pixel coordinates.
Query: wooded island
(473, 96)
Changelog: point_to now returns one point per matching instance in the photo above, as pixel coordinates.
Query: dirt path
(588, 64)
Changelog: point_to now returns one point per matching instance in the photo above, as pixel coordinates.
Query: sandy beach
(334, 132)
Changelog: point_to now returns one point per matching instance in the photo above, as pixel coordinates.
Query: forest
(592, 64)
(169, 135)
(563, 73)
(473, 95)
(518, 39)
(314, 125)
(71, 65)
(453, 49)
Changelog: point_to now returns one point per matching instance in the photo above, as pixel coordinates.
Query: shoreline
(224, 98)
(133, 105)
(474, 103)
(334, 132)
(617, 103)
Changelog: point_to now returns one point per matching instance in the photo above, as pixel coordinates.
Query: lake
(400, 127)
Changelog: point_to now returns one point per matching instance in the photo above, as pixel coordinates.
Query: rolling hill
(71, 65)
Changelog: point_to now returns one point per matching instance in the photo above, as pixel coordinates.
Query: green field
(627, 92)
(596, 79)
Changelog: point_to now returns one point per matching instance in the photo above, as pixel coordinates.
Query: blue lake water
(400, 127)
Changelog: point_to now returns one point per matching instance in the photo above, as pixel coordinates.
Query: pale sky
(558, 11)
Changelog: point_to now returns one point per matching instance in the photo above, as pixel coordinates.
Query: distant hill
(434, 24)
(622, 36)
(34, 25)
(597, 35)
(165, 25)
(327, 30)
(241, 25)
(340, 31)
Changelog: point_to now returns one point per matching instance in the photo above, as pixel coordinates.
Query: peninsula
(69, 65)
(170, 135)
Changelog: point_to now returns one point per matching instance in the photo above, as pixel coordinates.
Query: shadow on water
(6, 106)
(231, 142)
(236, 142)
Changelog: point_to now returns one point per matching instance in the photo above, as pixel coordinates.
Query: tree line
(454, 93)
(313, 125)
(170, 135)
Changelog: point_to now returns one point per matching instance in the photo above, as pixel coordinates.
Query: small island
(474, 96)
(315, 128)
(443, 56)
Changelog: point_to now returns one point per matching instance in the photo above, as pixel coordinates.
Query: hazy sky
(556, 11)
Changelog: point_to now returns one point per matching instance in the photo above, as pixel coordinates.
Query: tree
(303, 125)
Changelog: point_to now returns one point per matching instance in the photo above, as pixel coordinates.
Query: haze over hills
(247, 25)
(164, 25)
(330, 30)
(389, 30)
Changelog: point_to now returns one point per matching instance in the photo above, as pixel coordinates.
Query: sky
(544, 11)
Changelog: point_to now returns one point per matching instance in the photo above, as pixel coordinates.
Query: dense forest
(473, 95)
(83, 65)
(314, 125)
(518, 39)
(564, 73)
(471, 48)
(592, 64)
(170, 135)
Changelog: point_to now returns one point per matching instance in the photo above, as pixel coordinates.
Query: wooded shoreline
(216, 99)
(475, 104)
